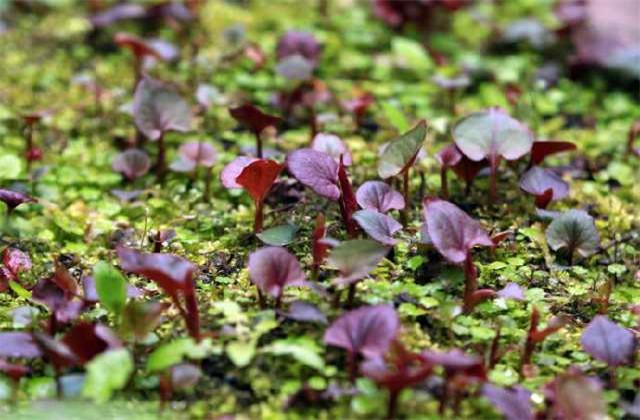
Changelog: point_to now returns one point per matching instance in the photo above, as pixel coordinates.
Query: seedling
(379, 196)
(272, 269)
(448, 157)
(545, 185)
(536, 336)
(255, 120)
(574, 231)
(140, 50)
(132, 163)
(541, 149)
(194, 155)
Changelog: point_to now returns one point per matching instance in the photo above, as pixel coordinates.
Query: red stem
(258, 145)
(193, 315)
(259, 217)
(470, 283)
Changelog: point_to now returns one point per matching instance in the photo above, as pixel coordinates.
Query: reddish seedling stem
(470, 283)
(404, 214)
(259, 217)
(392, 405)
(258, 144)
(161, 160)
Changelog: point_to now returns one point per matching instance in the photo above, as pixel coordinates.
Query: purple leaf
(16, 261)
(253, 118)
(333, 146)
(368, 330)
(233, 170)
(605, 340)
(306, 312)
(576, 396)
(194, 154)
(514, 403)
(18, 345)
(184, 375)
(132, 163)
(295, 67)
(379, 196)
(492, 134)
(86, 340)
(541, 149)
(457, 361)
(377, 225)
(117, 13)
(273, 268)
(511, 291)
(355, 259)
(401, 152)
(158, 109)
(299, 43)
(452, 231)
(315, 170)
(544, 184)
(448, 156)
(14, 198)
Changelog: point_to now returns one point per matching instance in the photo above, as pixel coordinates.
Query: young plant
(378, 226)
(31, 151)
(354, 260)
(320, 249)
(132, 163)
(193, 155)
(573, 231)
(467, 170)
(513, 403)
(397, 370)
(256, 176)
(157, 110)
(454, 234)
(173, 274)
(536, 336)
(574, 395)
(333, 146)
(13, 199)
(366, 331)
(541, 149)
(492, 135)
(14, 262)
(272, 269)
(545, 185)
(140, 50)
(299, 43)
(452, 85)
(379, 196)
(358, 106)
(398, 158)
(448, 157)
(255, 120)
(325, 177)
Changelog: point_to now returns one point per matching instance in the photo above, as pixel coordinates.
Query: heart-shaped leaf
(158, 109)
(544, 184)
(233, 169)
(273, 268)
(368, 330)
(111, 287)
(132, 163)
(574, 230)
(492, 135)
(333, 146)
(514, 403)
(453, 232)
(448, 156)
(511, 291)
(315, 170)
(541, 149)
(306, 312)
(356, 259)
(379, 196)
(401, 152)
(377, 225)
(194, 154)
(17, 344)
(605, 340)
(253, 118)
(258, 177)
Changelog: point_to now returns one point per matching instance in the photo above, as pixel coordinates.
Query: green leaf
(241, 353)
(401, 151)
(395, 117)
(279, 235)
(111, 287)
(173, 352)
(303, 349)
(19, 290)
(574, 230)
(106, 373)
(410, 54)
(10, 166)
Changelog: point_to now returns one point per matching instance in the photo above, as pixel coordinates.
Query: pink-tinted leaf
(511, 291)
(399, 369)
(320, 249)
(452, 231)
(273, 268)
(333, 146)
(172, 273)
(377, 225)
(544, 184)
(306, 312)
(137, 46)
(233, 170)
(132, 163)
(65, 281)
(576, 396)
(355, 259)
(299, 43)
(457, 362)
(492, 135)
(253, 118)
(514, 403)
(449, 156)
(86, 340)
(358, 105)
(401, 152)
(16, 261)
(158, 109)
(184, 375)
(605, 340)
(139, 318)
(468, 169)
(379, 196)
(58, 353)
(194, 154)
(18, 345)
(315, 170)
(13, 199)
(541, 149)
(258, 177)
(295, 67)
(368, 330)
